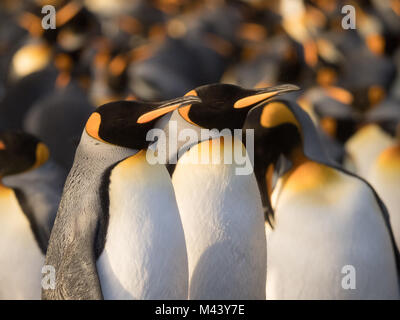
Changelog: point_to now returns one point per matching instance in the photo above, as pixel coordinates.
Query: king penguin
(220, 208)
(30, 191)
(331, 237)
(118, 234)
(384, 172)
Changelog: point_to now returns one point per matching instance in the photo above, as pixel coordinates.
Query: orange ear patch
(184, 112)
(2, 145)
(248, 101)
(390, 158)
(67, 12)
(149, 116)
(376, 43)
(42, 155)
(252, 32)
(31, 23)
(326, 76)
(275, 114)
(117, 65)
(375, 95)
(63, 79)
(93, 125)
(339, 94)
(329, 125)
(311, 53)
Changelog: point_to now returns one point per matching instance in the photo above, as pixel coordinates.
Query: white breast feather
(224, 228)
(314, 239)
(21, 260)
(145, 253)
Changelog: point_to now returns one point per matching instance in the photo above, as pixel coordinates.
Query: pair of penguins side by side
(125, 230)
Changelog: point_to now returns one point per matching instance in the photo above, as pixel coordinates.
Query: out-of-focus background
(106, 50)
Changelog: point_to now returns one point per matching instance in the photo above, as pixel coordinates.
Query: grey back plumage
(39, 192)
(80, 216)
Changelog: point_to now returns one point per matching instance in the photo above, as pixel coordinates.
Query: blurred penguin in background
(324, 218)
(30, 191)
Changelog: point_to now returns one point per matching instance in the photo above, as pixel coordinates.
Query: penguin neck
(307, 174)
(88, 181)
(297, 156)
(92, 159)
(99, 155)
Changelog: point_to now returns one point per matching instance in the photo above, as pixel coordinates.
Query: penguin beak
(166, 107)
(263, 94)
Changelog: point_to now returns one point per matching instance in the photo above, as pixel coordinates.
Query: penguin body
(319, 229)
(118, 241)
(152, 232)
(222, 217)
(26, 259)
(365, 146)
(325, 219)
(384, 175)
(30, 191)
(221, 210)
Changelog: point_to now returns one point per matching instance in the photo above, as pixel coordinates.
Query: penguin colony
(318, 216)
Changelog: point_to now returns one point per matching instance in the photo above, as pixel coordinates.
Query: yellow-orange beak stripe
(248, 101)
(275, 114)
(149, 116)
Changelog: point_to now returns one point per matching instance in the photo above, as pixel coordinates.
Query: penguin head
(332, 106)
(277, 130)
(283, 134)
(20, 152)
(126, 123)
(226, 105)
